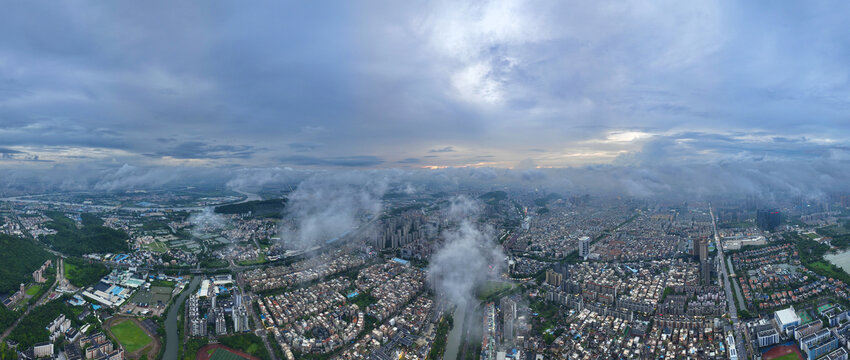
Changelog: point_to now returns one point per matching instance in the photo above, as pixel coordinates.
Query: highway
(740, 343)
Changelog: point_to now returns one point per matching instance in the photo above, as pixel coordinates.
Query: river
(455, 339)
(840, 259)
(173, 342)
(248, 197)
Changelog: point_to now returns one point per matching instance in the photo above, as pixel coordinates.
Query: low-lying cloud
(328, 206)
(468, 257)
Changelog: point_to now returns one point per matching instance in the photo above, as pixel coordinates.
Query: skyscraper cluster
(240, 315)
(768, 220)
(409, 227)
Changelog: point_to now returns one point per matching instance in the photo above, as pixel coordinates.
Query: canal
(173, 342)
(455, 339)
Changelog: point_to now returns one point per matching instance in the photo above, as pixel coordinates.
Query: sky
(422, 84)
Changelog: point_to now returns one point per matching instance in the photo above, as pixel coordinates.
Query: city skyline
(422, 180)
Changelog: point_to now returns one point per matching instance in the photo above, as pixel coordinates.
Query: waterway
(173, 341)
(24, 199)
(456, 334)
(840, 259)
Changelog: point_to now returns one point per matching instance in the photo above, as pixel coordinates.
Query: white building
(767, 337)
(584, 246)
(786, 319)
(42, 350)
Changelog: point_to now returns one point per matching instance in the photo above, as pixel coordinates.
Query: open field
(259, 260)
(493, 287)
(833, 230)
(33, 289)
(69, 269)
(791, 356)
(82, 272)
(130, 335)
(783, 352)
(157, 246)
(221, 352)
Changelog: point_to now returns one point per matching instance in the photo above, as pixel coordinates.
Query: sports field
(823, 307)
(805, 318)
(130, 335)
(791, 356)
(783, 352)
(223, 354)
(32, 290)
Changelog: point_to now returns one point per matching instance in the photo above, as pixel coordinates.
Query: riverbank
(172, 343)
(455, 338)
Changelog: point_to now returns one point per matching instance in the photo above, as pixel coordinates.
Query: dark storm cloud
(251, 85)
(339, 161)
(16, 155)
(5, 151)
(446, 149)
(409, 161)
(680, 148)
(200, 150)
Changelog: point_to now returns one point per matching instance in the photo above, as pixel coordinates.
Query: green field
(69, 269)
(259, 260)
(157, 246)
(791, 356)
(82, 272)
(131, 336)
(493, 287)
(833, 230)
(33, 289)
(222, 354)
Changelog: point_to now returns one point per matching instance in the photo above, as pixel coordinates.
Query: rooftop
(787, 316)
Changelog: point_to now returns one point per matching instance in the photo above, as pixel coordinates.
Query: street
(740, 344)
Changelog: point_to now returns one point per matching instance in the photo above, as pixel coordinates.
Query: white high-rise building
(584, 246)
(220, 323)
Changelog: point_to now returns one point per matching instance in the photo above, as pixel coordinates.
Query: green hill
(93, 237)
(20, 257)
(32, 329)
(82, 273)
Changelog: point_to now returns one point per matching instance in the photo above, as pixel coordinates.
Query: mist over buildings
(647, 176)
(327, 206)
(468, 257)
(205, 221)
